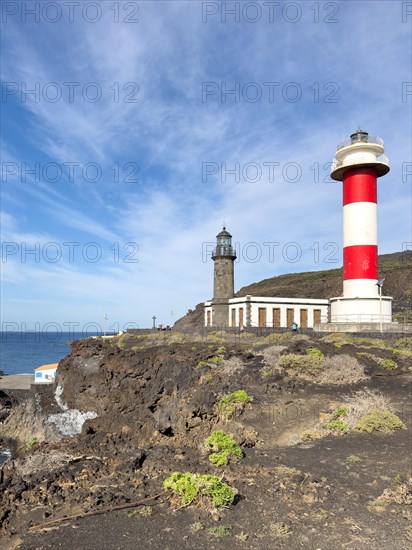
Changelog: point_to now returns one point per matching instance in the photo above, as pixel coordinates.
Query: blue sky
(130, 153)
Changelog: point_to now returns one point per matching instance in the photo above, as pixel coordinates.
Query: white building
(256, 311)
(45, 374)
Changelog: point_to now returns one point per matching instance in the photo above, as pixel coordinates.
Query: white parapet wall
(361, 310)
(394, 327)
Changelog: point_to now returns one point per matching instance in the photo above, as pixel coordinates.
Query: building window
(208, 318)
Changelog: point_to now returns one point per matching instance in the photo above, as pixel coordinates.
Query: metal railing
(360, 318)
(365, 139)
(224, 250)
(381, 159)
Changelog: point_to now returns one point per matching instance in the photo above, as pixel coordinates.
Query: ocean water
(22, 352)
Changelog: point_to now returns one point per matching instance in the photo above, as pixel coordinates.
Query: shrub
(381, 421)
(399, 493)
(343, 411)
(344, 338)
(224, 448)
(337, 425)
(354, 459)
(124, 339)
(283, 470)
(221, 531)
(384, 363)
(284, 337)
(310, 435)
(145, 511)
(335, 337)
(279, 529)
(190, 487)
(308, 364)
(364, 411)
(402, 353)
(197, 526)
(245, 335)
(271, 353)
(315, 351)
(388, 364)
(141, 511)
(375, 505)
(234, 401)
(341, 369)
(367, 342)
(137, 348)
(404, 343)
(31, 443)
(362, 402)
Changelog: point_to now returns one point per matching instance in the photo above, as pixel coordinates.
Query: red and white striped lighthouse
(358, 162)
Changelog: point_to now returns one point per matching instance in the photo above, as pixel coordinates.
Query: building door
(241, 316)
(208, 318)
(276, 317)
(262, 316)
(303, 318)
(233, 317)
(289, 317)
(316, 316)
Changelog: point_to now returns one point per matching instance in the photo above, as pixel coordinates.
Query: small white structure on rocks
(45, 374)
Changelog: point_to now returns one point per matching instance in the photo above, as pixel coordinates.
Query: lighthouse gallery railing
(366, 139)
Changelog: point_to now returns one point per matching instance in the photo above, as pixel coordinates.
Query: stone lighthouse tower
(223, 282)
(358, 162)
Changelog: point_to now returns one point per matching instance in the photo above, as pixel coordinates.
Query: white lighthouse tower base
(347, 314)
(361, 310)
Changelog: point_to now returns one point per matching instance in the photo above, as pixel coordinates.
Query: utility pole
(105, 319)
